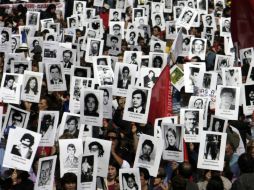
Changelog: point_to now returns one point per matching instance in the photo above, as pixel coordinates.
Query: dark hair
(55, 67)
(67, 51)
(34, 42)
(35, 89)
(7, 34)
(71, 146)
(7, 78)
(246, 163)
(100, 147)
(72, 118)
(133, 33)
(69, 178)
(145, 172)
(91, 95)
(50, 37)
(125, 68)
(151, 71)
(197, 100)
(185, 170)
(79, 3)
(127, 175)
(107, 92)
(227, 90)
(157, 16)
(157, 44)
(172, 131)
(149, 143)
(118, 25)
(115, 12)
(16, 114)
(143, 95)
(159, 58)
(28, 136)
(215, 183)
(114, 38)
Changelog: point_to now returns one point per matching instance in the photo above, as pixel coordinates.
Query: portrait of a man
(71, 160)
(55, 73)
(227, 98)
(45, 172)
(138, 101)
(191, 119)
(72, 126)
(125, 81)
(146, 151)
(67, 55)
(47, 126)
(96, 147)
(24, 149)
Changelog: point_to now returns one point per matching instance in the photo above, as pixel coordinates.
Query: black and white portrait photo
(31, 91)
(32, 19)
(157, 60)
(231, 76)
(191, 75)
(70, 150)
(148, 154)
(187, 17)
(246, 56)
(248, 102)
(170, 30)
(227, 101)
(15, 117)
(198, 47)
(47, 126)
(79, 7)
(107, 101)
(148, 77)
(223, 61)
(21, 148)
(193, 123)
(91, 107)
(137, 104)
(173, 141)
(46, 170)
(225, 24)
(116, 28)
(218, 124)
(129, 178)
(101, 149)
(212, 150)
(114, 43)
(93, 48)
(55, 77)
(11, 84)
(115, 15)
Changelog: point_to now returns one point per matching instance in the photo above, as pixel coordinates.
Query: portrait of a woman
(91, 105)
(171, 140)
(31, 86)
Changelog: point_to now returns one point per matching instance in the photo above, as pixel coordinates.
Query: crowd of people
(238, 169)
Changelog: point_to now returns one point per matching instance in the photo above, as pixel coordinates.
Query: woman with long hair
(31, 86)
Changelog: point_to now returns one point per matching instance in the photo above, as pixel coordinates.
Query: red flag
(242, 22)
(161, 98)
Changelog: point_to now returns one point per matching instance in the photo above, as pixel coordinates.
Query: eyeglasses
(110, 137)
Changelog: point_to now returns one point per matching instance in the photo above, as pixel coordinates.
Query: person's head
(105, 96)
(72, 124)
(151, 74)
(4, 36)
(114, 40)
(73, 22)
(91, 102)
(79, 7)
(157, 46)
(246, 163)
(147, 148)
(138, 13)
(50, 38)
(85, 161)
(27, 140)
(208, 19)
(67, 54)
(46, 122)
(32, 84)
(125, 72)
(36, 43)
(186, 41)
(198, 45)
(229, 151)
(43, 104)
(69, 181)
(215, 183)
(13, 43)
(55, 72)
(198, 103)
(102, 61)
(96, 147)
(133, 56)
(71, 149)
(217, 126)
(115, 14)
(157, 19)
(191, 119)
(227, 24)
(130, 180)
(95, 47)
(157, 61)
(227, 96)
(144, 177)
(171, 137)
(21, 68)
(187, 16)
(45, 173)
(157, 7)
(132, 35)
(194, 74)
(138, 98)
(16, 118)
(116, 29)
(113, 168)
(9, 81)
